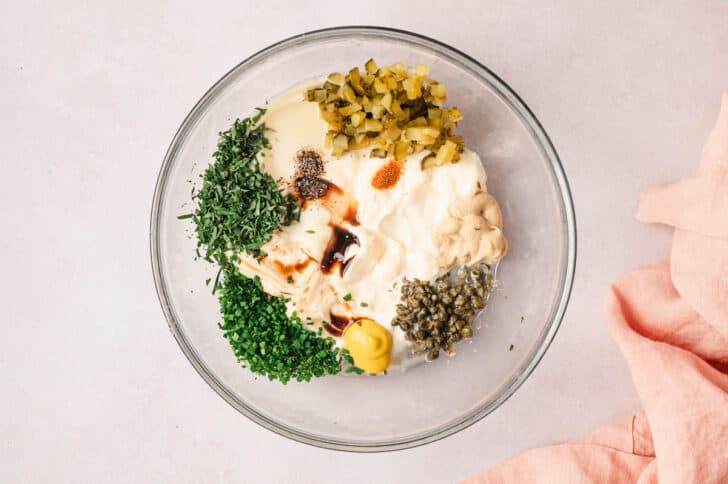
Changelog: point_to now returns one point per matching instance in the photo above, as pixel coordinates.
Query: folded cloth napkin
(670, 320)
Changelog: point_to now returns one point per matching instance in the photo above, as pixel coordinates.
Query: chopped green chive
(268, 341)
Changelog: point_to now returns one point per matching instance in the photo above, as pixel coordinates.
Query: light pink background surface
(92, 385)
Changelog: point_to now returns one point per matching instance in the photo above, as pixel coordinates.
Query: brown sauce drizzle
(331, 192)
(337, 325)
(288, 269)
(331, 188)
(335, 252)
(351, 214)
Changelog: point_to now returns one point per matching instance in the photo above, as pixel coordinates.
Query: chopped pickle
(336, 78)
(357, 118)
(421, 134)
(350, 109)
(380, 86)
(341, 142)
(378, 153)
(386, 101)
(446, 153)
(372, 125)
(392, 110)
(401, 150)
(371, 67)
(318, 95)
(429, 162)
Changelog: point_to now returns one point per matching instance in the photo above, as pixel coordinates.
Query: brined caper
(435, 315)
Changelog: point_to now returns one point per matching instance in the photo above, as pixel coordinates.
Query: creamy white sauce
(396, 228)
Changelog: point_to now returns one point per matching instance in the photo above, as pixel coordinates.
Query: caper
(435, 315)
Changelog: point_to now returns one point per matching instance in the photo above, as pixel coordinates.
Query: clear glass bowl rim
(544, 144)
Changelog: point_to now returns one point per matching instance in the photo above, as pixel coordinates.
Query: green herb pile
(268, 341)
(240, 206)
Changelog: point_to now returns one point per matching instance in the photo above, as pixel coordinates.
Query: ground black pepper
(309, 164)
(311, 188)
(309, 168)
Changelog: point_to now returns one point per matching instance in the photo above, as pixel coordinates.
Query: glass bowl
(434, 399)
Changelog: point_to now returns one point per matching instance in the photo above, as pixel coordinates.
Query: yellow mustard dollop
(369, 344)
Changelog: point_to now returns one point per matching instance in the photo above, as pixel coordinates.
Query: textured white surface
(93, 387)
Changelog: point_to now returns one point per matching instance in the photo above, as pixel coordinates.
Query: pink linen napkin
(670, 320)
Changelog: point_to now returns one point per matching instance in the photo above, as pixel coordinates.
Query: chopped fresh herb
(240, 206)
(310, 231)
(347, 297)
(207, 281)
(290, 279)
(269, 342)
(216, 285)
(346, 356)
(187, 215)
